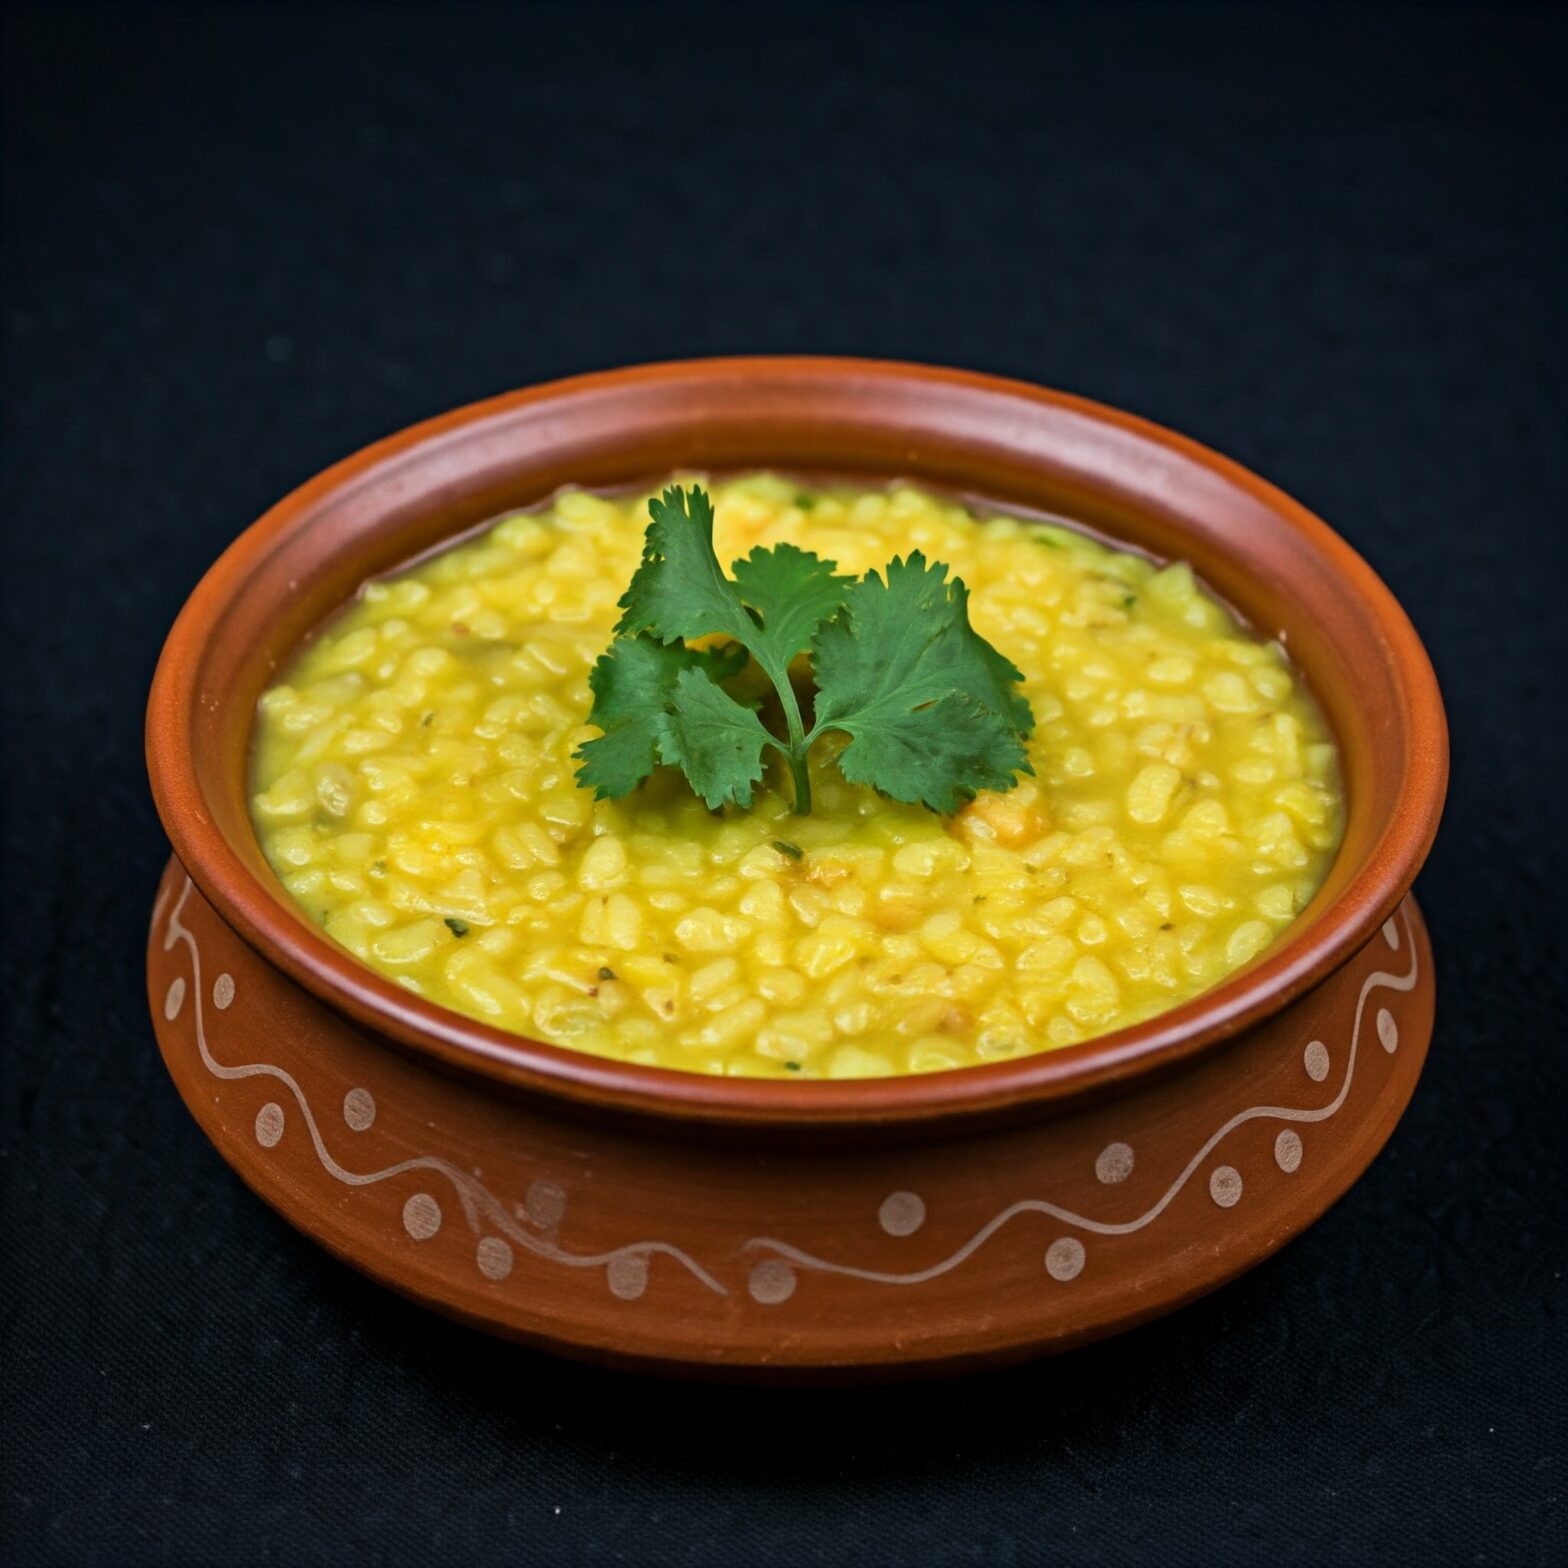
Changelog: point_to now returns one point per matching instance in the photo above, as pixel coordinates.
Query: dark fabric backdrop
(239, 244)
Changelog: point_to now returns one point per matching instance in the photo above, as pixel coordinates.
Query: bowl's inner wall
(1055, 460)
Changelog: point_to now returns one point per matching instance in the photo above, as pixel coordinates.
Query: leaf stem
(798, 743)
(802, 777)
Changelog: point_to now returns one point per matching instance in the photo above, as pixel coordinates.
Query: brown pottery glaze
(680, 1222)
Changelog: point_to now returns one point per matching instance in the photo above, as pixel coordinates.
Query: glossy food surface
(414, 791)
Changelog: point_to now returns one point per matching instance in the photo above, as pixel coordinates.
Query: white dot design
(902, 1213)
(774, 1280)
(1387, 1030)
(1315, 1060)
(269, 1124)
(546, 1203)
(1114, 1164)
(359, 1109)
(494, 1258)
(627, 1275)
(1225, 1186)
(1064, 1258)
(421, 1216)
(771, 1282)
(627, 1272)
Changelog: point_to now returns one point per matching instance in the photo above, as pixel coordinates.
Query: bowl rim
(1043, 1081)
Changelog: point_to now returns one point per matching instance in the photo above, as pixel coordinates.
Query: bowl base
(605, 1241)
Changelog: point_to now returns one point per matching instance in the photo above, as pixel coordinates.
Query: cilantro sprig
(931, 709)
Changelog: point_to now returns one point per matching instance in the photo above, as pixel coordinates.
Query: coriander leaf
(933, 712)
(929, 705)
(713, 740)
(940, 755)
(680, 589)
(632, 683)
(792, 592)
(977, 667)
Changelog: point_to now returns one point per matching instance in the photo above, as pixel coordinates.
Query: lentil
(414, 790)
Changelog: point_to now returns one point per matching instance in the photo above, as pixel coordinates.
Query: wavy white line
(476, 1199)
(1377, 978)
(472, 1194)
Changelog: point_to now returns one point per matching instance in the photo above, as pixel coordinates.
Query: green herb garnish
(456, 927)
(931, 709)
(793, 1067)
(784, 847)
(605, 972)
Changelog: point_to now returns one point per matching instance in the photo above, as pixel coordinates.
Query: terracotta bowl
(679, 1222)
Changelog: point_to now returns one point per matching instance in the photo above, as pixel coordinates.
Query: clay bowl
(677, 1222)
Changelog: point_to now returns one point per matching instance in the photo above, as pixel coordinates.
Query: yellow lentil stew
(414, 790)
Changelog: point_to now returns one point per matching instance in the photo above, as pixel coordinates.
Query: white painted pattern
(1225, 1183)
(421, 1213)
(772, 1279)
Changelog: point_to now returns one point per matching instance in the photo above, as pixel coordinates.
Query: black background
(237, 245)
